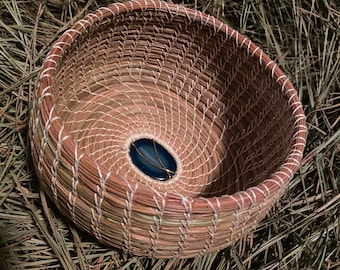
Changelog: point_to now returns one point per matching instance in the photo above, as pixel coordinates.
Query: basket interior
(152, 75)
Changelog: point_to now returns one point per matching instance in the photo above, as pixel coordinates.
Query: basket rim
(272, 186)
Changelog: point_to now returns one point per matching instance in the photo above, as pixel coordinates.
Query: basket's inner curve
(156, 76)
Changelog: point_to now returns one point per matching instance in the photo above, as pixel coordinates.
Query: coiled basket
(162, 131)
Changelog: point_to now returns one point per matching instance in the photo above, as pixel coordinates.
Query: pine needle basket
(191, 89)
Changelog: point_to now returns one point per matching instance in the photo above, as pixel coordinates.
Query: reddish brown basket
(181, 80)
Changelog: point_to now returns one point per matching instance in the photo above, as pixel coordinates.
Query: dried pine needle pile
(301, 232)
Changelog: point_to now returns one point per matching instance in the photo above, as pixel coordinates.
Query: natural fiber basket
(162, 131)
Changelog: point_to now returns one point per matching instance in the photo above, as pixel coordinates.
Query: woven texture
(222, 109)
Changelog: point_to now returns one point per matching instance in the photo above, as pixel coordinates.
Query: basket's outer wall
(132, 216)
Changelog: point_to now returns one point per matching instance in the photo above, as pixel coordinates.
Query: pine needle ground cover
(301, 232)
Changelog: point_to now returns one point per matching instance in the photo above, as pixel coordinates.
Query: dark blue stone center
(153, 159)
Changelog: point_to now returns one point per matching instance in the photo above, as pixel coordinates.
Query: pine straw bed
(301, 232)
